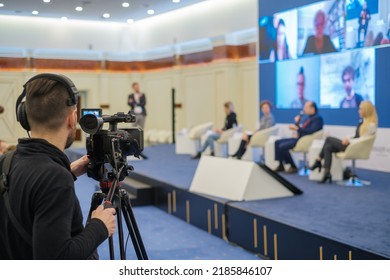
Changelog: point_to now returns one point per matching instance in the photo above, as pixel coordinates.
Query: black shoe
(317, 164)
(327, 177)
(143, 156)
(197, 156)
(292, 170)
(212, 154)
(280, 168)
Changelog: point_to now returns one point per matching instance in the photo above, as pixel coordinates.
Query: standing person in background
(137, 102)
(300, 101)
(364, 19)
(266, 121)
(230, 122)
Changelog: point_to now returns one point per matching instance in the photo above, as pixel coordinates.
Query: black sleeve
(58, 231)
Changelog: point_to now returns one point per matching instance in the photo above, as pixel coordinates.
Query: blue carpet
(165, 237)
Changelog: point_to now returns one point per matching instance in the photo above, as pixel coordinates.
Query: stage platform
(326, 221)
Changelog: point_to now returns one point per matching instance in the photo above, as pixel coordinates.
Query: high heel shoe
(317, 164)
(327, 177)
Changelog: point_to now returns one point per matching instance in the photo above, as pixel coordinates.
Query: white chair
(260, 138)
(197, 132)
(223, 140)
(358, 149)
(303, 146)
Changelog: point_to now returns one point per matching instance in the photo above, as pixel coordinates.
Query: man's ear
(72, 119)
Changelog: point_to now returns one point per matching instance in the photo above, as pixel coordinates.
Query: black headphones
(21, 114)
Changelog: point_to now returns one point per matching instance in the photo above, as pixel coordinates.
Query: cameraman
(41, 185)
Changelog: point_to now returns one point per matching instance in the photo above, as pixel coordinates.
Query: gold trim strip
(276, 246)
(174, 201)
(188, 211)
(265, 240)
(224, 237)
(255, 241)
(169, 203)
(321, 253)
(215, 215)
(350, 255)
(208, 220)
(335, 257)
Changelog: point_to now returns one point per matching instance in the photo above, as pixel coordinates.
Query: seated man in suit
(312, 123)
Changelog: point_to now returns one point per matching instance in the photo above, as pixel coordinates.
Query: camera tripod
(113, 196)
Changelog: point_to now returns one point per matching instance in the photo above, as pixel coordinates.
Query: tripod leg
(132, 226)
(120, 229)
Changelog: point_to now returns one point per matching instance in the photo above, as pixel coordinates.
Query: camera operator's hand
(107, 216)
(79, 167)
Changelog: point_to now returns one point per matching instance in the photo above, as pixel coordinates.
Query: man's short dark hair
(349, 70)
(314, 105)
(46, 103)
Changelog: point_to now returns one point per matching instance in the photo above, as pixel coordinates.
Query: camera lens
(90, 123)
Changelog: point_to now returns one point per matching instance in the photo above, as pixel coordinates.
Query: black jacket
(230, 121)
(43, 199)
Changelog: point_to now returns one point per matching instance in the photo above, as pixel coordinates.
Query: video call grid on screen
(323, 72)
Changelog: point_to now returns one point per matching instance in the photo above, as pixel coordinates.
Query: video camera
(110, 145)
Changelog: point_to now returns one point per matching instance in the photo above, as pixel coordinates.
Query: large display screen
(331, 52)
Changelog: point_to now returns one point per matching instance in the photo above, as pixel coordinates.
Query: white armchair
(359, 149)
(223, 140)
(303, 146)
(260, 138)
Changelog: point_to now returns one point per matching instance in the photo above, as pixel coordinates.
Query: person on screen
(230, 122)
(365, 128)
(312, 123)
(280, 49)
(300, 101)
(319, 43)
(363, 20)
(352, 99)
(266, 121)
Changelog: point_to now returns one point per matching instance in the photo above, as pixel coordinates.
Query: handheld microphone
(301, 113)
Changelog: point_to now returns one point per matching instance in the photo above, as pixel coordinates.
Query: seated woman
(230, 122)
(333, 145)
(266, 121)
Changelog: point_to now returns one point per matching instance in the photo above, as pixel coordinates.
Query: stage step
(140, 193)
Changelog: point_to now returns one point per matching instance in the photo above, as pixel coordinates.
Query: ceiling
(92, 9)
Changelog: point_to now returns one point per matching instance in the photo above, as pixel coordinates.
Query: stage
(326, 221)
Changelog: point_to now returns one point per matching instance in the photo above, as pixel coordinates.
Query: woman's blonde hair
(369, 116)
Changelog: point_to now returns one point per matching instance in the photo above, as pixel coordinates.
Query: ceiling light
(46, 1)
(106, 15)
(125, 5)
(1, 5)
(130, 20)
(176, 1)
(150, 12)
(35, 12)
(64, 18)
(79, 8)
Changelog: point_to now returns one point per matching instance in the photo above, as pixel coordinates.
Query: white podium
(336, 168)
(236, 180)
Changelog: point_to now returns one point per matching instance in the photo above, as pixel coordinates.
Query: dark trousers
(331, 145)
(282, 150)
